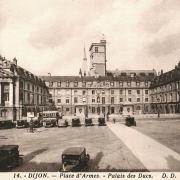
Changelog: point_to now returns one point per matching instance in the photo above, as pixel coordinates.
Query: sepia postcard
(89, 89)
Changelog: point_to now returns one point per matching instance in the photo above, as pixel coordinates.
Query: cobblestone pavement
(153, 155)
(42, 150)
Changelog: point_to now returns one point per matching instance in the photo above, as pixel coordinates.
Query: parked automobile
(76, 122)
(101, 121)
(9, 157)
(74, 159)
(22, 124)
(62, 123)
(50, 118)
(50, 123)
(130, 121)
(5, 124)
(88, 122)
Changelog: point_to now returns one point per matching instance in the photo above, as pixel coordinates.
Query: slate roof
(9, 69)
(166, 78)
(100, 78)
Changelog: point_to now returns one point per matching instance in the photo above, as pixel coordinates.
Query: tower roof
(84, 56)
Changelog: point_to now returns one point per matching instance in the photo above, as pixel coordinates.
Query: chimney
(161, 71)
(15, 61)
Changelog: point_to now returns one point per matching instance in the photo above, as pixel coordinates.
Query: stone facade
(165, 92)
(111, 94)
(20, 91)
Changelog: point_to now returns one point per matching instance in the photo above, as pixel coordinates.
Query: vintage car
(88, 122)
(50, 123)
(130, 121)
(5, 124)
(62, 123)
(101, 121)
(76, 122)
(9, 157)
(22, 124)
(74, 159)
(50, 118)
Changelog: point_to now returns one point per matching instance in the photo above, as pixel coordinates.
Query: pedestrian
(114, 120)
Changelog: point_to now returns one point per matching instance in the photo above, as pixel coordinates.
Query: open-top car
(88, 122)
(9, 157)
(101, 121)
(76, 122)
(22, 124)
(130, 121)
(74, 159)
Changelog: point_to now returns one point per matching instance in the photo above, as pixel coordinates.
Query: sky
(49, 35)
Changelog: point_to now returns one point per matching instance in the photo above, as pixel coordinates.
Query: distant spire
(84, 57)
(84, 64)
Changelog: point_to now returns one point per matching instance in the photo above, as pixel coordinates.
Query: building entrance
(80, 111)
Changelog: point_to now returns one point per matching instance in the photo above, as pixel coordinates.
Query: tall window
(121, 99)
(93, 91)
(121, 91)
(112, 91)
(98, 99)
(129, 91)
(112, 110)
(67, 101)
(75, 100)
(103, 100)
(138, 99)
(138, 91)
(93, 110)
(112, 100)
(96, 49)
(146, 91)
(59, 100)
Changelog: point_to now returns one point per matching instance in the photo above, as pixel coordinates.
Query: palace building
(100, 90)
(165, 92)
(20, 91)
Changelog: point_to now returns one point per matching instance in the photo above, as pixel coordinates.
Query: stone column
(10, 94)
(0, 95)
(17, 93)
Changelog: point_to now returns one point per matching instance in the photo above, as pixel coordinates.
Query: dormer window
(58, 84)
(137, 83)
(120, 84)
(50, 84)
(112, 83)
(75, 84)
(128, 83)
(96, 49)
(67, 83)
